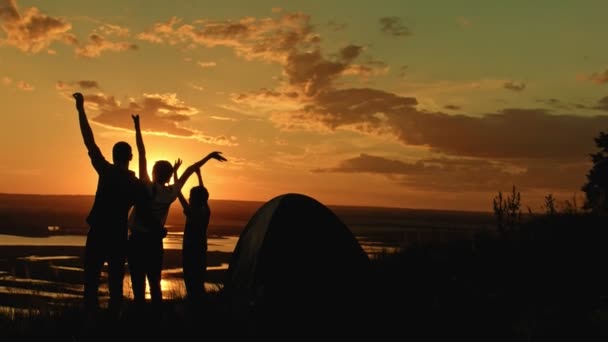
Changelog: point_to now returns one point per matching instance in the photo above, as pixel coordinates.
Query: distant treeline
(31, 215)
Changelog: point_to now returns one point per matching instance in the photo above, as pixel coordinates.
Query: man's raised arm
(141, 151)
(85, 128)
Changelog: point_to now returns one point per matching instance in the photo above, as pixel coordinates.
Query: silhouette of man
(118, 189)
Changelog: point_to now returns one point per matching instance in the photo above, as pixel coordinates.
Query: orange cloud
(161, 114)
(32, 31)
(268, 39)
(599, 77)
(25, 86)
(203, 64)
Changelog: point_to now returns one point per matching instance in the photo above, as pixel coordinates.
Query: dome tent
(295, 264)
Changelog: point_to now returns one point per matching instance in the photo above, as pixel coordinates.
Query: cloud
(222, 118)
(25, 86)
(88, 84)
(309, 96)
(82, 84)
(203, 64)
(402, 70)
(393, 26)
(268, 99)
(514, 86)
(116, 30)
(509, 133)
(452, 107)
(365, 70)
(32, 31)
(599, 77)
(98, 44)
(311, 72)
(197, 86)
(465, 174)
(161, 114)
(464, 22)
(602, 104)
(335, 26)
(287, 39)
(269, 39)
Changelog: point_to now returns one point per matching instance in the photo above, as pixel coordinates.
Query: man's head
(198, 196)
(121, 153)
(162, 171)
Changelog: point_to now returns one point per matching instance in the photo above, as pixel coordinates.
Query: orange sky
(390, 103)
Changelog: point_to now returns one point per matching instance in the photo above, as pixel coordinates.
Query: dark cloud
(462, 174)
(602, 104)
(509, 133)
(350, 52)
(98, 44)
(514, 86)
(452, 107)
(88, 84)
(393, 26)
(335, 26)
(311, 72)
(72, 86)
(599, 77)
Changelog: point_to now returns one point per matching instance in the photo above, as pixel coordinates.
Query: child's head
(198, 195)
(162, 171)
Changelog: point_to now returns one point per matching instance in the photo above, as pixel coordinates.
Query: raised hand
(177, 164)
(217, 156)
(79, 101)
(135, 119)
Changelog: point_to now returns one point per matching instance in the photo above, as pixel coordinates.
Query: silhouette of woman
(146, 241)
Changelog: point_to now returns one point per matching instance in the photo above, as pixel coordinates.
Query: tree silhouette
(596, 187)
(507, 211)
(549, 205)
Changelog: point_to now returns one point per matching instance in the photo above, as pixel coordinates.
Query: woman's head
(198, 195)
(162, 171)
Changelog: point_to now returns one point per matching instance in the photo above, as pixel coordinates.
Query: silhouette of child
(194, 244)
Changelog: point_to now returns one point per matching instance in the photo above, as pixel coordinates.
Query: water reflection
(56, 279)
(173, 241)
